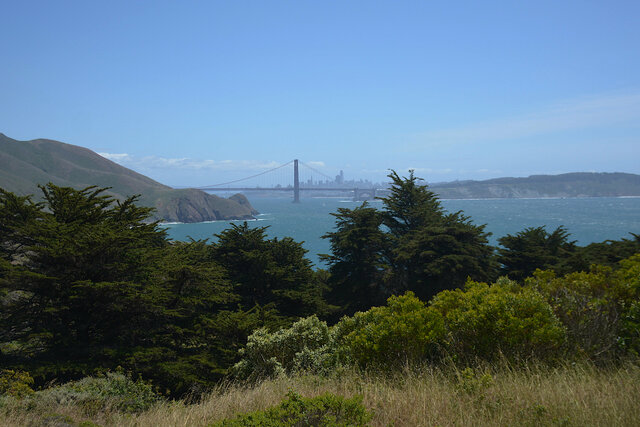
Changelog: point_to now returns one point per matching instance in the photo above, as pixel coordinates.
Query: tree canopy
(411, 244)
(73, 269)
(360, 255)
(269, 271)
(89, 283)
(521, 254)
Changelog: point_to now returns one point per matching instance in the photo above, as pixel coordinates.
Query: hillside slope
(25, 164)
(579, 184)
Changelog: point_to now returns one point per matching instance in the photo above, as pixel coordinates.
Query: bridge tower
(296, 182)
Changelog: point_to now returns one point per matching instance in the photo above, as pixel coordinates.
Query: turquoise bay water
(588, 220)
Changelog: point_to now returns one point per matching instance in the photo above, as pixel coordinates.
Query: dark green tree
(192, 349)
(269, 272)
(412, 244)
(521, 254)
(410, 206)
(358, 261)
(89, 283)
(17, 214)
(609, 253)
(73, 271)
(432, 250)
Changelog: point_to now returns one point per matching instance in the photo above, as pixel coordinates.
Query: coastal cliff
(25, 164)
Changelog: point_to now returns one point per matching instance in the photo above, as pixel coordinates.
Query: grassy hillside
(582, 184)
(528, 396)
(25, 164)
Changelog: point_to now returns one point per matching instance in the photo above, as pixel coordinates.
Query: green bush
(599, 308)
(597, 313)
(92, 394)
(471, 382)
(307, 345)
(15, 383)
(324, 410)
(629, 273)
(403, 331)
(629, 332)
(484, 321)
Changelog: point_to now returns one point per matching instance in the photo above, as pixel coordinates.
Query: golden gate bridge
(305, 178)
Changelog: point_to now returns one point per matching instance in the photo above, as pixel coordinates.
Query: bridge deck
(288, 189)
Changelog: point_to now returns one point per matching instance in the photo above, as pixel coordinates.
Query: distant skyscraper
(340, 178)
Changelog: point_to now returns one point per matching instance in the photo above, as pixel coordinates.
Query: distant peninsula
(25, 164)
(568, 185)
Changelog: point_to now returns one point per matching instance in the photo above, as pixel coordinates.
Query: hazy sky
(192, 93)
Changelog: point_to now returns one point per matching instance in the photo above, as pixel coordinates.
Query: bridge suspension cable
(316, 171)
(249, 177)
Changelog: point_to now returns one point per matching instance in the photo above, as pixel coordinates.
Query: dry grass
(571, 395)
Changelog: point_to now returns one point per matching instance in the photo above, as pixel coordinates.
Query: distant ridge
(25, 164)
(576, 184)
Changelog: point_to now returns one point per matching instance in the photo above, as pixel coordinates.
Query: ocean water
(588, 220)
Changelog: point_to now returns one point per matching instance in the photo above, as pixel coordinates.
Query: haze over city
(197, 93)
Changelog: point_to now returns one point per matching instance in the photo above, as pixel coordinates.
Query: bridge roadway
(357, 192)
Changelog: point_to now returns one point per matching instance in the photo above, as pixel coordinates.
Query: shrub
(629, 272)
(306, 345)
(403, 331)
(629, 332)
(599, 308)
(324, 410)
(471, 382)
(484, 321)
(92, 394)
(15, 383)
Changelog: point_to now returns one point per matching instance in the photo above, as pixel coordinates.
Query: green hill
(579, 184)
(25, 164)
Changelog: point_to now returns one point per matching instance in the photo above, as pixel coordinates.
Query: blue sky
(194, 93)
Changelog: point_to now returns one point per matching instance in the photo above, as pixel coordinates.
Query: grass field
(580, 395)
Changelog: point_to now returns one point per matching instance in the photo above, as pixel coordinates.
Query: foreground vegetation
(105, 320)
(567, 395)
